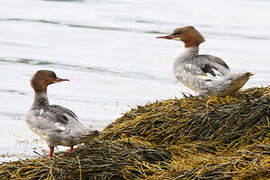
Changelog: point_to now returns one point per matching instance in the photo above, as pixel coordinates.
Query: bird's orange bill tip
(165, 37)
(60, 80)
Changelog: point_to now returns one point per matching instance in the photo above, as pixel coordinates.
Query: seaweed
(95, 160)
(189, 138)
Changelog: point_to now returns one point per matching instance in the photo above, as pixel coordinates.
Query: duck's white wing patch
(41, 112)
(217, 73)
(60, 126)
(206, 77)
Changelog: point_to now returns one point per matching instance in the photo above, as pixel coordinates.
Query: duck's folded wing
(42, 124)
(55, 118)
(207, 67)
(61, 113)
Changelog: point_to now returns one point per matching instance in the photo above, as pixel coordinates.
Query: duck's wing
(207, 67)
(58, 126)
(61, 111)
(74, 132)
(53, 118)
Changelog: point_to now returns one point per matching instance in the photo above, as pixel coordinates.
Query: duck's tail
(228, 85)
(239, 81)
(83, 137)
(90, 136)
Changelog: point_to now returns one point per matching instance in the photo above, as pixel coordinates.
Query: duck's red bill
(60, 80)
(165, 37)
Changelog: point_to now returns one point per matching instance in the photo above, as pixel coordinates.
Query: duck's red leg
(71, 148)
(51, 152)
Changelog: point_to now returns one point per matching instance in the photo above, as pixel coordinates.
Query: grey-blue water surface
(109, 52)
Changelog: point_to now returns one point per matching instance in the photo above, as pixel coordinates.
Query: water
(108, 50)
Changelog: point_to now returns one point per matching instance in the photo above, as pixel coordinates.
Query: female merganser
(55, 124)
(205, 74)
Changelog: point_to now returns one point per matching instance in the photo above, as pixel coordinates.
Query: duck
(206, 75)
(55, 124)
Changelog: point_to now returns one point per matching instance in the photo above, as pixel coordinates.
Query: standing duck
(205, 74)
(55, 124)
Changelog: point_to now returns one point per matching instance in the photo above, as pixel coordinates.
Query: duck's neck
(40, 100)
(187, 53)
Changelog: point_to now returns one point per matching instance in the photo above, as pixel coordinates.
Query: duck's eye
(53, 75)
(177, 33)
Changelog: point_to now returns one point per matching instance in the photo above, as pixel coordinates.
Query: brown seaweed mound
(223, 121)
(189, 138)
(96, 160)
(213, 138)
